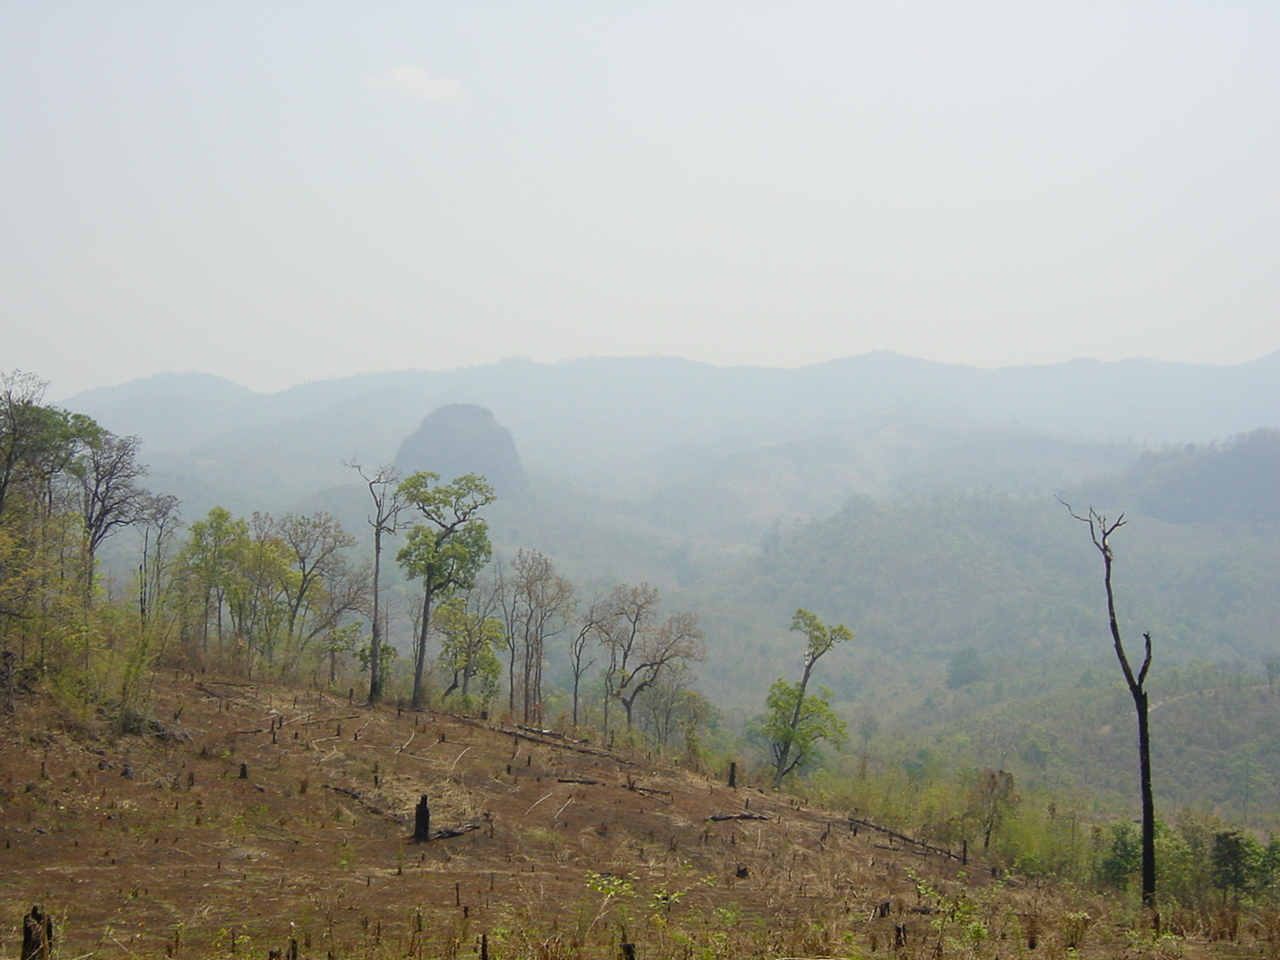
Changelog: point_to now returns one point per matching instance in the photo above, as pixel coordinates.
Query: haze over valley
(711, 480)
(914, 501)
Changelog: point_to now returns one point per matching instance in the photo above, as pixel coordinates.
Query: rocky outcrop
(463, 438)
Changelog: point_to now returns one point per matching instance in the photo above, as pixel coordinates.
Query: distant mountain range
(630, 427)
(924, 492)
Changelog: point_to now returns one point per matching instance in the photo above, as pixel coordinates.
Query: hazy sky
(276, 192)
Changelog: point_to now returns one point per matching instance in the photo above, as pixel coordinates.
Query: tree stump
(422, 821)
(37, 935)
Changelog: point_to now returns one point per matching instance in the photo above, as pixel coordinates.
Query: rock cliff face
(463, 438)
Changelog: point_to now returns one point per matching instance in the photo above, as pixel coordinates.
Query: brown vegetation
(244, 818)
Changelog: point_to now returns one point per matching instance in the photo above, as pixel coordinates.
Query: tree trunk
(375, 631)
(420, 658)
(781, 769)
(422, 821)
(37, 935)
(1148, 800)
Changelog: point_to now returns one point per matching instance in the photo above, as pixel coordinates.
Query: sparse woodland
(228, 749)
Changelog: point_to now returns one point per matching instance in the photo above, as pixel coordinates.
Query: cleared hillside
(242, 816)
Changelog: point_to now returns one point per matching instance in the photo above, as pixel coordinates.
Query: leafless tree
(160, 521)
(384, 491)
(1101, 529)
(588, 629)
(110, 496)
(640, 648)
(537, 606)
(324, 586)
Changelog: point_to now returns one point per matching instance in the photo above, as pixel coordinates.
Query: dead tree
(1100, 531)
(37, 935)
(422, 821)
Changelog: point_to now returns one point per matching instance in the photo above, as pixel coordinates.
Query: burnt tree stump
(37, 935)
(422, 821)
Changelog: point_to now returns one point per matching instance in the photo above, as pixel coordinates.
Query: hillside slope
(243, 815)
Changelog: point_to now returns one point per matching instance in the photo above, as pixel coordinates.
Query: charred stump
(422, 821)
(37, 935)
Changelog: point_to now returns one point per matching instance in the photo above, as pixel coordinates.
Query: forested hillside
(927, 521)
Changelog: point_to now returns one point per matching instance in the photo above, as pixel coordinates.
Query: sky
(291, 191)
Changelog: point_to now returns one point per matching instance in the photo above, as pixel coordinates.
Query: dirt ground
(246, 818)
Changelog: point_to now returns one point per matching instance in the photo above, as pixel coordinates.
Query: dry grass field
(245, 818)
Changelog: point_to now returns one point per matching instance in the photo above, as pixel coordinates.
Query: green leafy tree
(1123, 858)
(472, 635)
(210, 564)
(446, 551)
(966, 667)
(796, 720)
(37, 442)
(337, 644)
(1233, 861)
(258, 593)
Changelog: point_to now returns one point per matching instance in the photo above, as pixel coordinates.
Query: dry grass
(154, 846)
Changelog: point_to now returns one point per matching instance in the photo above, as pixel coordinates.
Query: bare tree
(992, 798)
(589, 627)
(388, 501)
(24, 428)
(160, 521)
(1100, 531)
(672, 707)
(324, 587)
(110, 497)
(640, 649)
(537, 606)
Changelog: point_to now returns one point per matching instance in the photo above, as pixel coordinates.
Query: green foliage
(263, 591)
(795, 723)
(1123, 858)
(468, 652)
(1232, 481)
(447, 550)
(966, 667)
(1234, 860)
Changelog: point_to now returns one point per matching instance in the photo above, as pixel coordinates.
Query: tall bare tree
(160, 522)
(388, 501)
(1101, 529)
(537, 606)
(588, 629)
